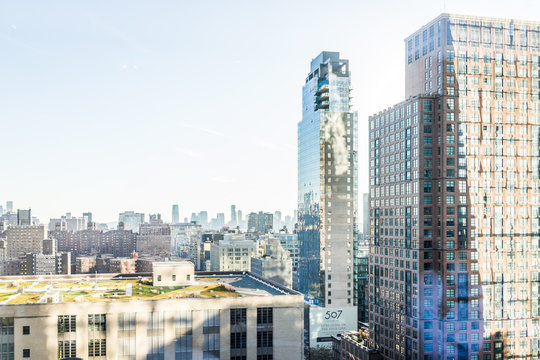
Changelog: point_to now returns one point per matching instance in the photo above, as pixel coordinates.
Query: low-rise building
(220, 316)
(122, 265)
(42, 264)
(353, 345)
(85, 264)
(145, 265)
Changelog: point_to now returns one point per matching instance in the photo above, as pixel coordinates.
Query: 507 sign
(333, 314)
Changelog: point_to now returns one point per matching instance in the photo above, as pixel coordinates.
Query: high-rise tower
(175, 214)
(327, 187)
(454, 196)
(234, 221)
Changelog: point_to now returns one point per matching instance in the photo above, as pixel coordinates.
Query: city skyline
(167, 218)
(140, 94)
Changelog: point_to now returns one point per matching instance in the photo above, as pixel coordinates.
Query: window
(265, 316)
(184, 335)
(238, 340)
(174, 278)
(67, 323)
(26, 353)
(238, 335)
(67, 348)
(96, 322)
(211, 326)
(155, 333)
(26, 330)
(126, 335)
(97, 347)
(264, 339)
(238, 316)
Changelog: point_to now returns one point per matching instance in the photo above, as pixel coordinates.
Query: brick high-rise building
(454, 196)
(22, 240)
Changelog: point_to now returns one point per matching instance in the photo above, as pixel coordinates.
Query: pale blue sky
(135, 105)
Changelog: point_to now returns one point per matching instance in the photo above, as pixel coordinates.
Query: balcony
(323, 96)
(322, 105)
(322, 88)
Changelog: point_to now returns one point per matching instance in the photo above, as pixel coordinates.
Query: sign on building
(324, 322)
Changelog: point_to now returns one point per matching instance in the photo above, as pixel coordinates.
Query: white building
(222, 316)
(232, 255)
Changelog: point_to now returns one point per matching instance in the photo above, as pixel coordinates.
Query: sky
(107, 106)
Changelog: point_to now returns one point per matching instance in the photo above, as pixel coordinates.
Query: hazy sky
(135, 105)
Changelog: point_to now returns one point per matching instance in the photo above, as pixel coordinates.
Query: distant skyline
(166, 217)
(133, 105)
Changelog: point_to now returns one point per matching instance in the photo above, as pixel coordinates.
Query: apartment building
(454, 196)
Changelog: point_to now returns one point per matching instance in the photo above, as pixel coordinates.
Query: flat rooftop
(122, 287)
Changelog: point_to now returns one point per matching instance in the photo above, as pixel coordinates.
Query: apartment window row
(499, 35)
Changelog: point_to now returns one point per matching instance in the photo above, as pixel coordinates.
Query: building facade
(186, 242)
(454, 184)
(275, 264)
(41, 264)
(24, 239)
(260, 222)
(232, 255)
(131, 220)
(327, 185)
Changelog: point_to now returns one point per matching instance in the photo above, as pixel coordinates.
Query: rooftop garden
(107, 290)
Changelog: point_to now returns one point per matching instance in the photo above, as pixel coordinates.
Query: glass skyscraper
(327, 186)
(454, 196)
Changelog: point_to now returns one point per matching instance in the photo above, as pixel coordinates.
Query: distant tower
(88, 216)
(220, 220)
(175, 215)
(24, 217)
(9, 206)
(240, 219)
(203, 218)
(234, 221)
